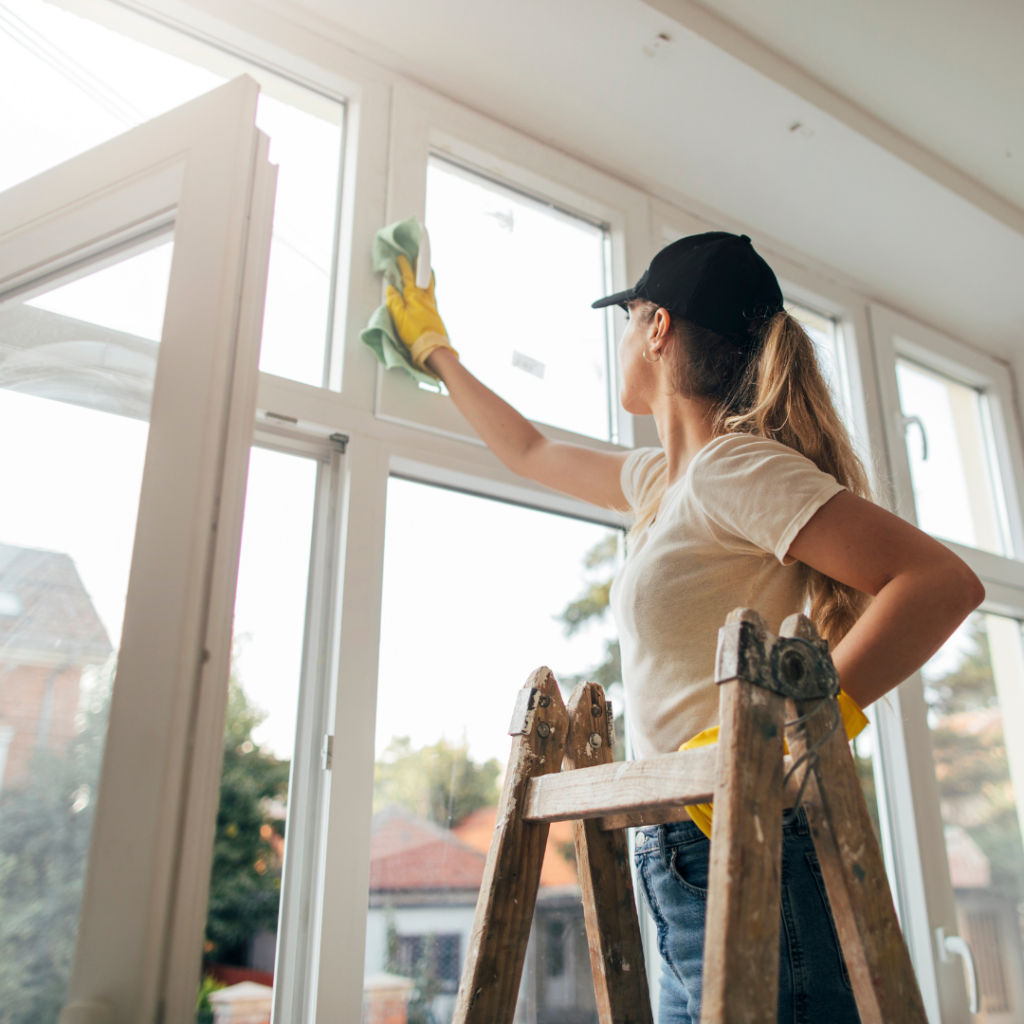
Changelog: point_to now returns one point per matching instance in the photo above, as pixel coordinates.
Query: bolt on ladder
(561, 768)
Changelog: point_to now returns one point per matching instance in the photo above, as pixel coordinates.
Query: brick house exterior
(424, 882)
(49, 633)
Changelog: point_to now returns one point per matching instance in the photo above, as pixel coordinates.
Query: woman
(755, 499)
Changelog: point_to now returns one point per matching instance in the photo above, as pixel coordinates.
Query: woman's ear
(659, 331)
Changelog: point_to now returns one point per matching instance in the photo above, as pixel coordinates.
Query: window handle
(950, 945)
(906, 421)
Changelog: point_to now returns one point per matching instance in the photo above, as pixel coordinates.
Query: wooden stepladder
(561, 769)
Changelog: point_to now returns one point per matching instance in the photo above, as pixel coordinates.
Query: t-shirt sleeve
(640, 471)
(757, 492)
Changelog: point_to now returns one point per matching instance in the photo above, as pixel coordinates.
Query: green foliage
(440, 783)
(245, 886)
(45, 826)
(204, 1008)
(593, 604)
(971, 763)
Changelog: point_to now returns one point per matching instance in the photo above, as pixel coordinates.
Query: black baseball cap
(715, 280)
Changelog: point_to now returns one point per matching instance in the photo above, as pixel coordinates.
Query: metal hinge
(341, 440)
(327, 753)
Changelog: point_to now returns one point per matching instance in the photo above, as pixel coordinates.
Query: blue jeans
(672, 867)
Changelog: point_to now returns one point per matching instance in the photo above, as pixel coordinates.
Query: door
(131, 296)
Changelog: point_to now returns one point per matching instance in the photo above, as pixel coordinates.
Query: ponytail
(773, 389)
(790, 402)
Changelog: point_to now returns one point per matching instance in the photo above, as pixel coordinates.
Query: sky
(466, 619)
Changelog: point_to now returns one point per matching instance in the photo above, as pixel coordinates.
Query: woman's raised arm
(584, 473)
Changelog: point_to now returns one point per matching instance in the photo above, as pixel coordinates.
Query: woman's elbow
(964, 588)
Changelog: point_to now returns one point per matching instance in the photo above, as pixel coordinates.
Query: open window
(131, 294)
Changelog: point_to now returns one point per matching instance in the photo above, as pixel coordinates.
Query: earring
(649, 360)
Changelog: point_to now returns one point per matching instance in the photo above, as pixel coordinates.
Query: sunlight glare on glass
(129, 296)
(270, 602)
(515, 280)
(953, 487)
(461, 631)
(68, 84)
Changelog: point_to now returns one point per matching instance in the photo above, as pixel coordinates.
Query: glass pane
(863, 748)
(259, 735)
(456, 646)
(67, 84)
(825, 332)
(75, 389)
(515, 280)
(974, 688)
(957, 490)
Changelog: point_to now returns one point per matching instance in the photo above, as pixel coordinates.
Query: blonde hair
(773, 389)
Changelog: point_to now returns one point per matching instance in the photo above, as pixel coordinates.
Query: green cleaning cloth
(399, 239)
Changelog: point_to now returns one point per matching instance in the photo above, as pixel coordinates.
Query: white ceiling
(946, 73)
(684, 115)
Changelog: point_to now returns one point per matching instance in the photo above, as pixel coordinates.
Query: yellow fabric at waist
(854, 720)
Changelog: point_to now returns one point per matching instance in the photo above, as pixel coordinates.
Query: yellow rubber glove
(414, 312)
(854, 721)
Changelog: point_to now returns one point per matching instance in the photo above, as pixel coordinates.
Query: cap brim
(615, 300)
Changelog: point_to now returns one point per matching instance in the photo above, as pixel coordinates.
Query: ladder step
(628, 793)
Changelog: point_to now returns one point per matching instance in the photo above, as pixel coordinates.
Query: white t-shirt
(719, 542)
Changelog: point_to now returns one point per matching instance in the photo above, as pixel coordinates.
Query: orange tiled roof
(475, 831)
(409, 853)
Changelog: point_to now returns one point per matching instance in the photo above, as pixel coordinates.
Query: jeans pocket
(688, 864)
(812, 863)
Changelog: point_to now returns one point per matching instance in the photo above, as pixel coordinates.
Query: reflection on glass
(76, 84)
(477, 594)
(975, 692)
(515, 280)
(74, 401)
(259, 735)
(957, 489)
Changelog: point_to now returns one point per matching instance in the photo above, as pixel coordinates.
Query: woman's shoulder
(730, 454)
(641, 468)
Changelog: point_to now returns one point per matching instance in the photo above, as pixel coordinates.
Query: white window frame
(423, 124)
(202, 170)
(299, 915)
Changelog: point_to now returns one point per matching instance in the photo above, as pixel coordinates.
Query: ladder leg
(876, 956)
(602, 861)
(508, 893)
(741, 941)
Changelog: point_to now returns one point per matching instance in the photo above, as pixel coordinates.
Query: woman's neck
(685, 425)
